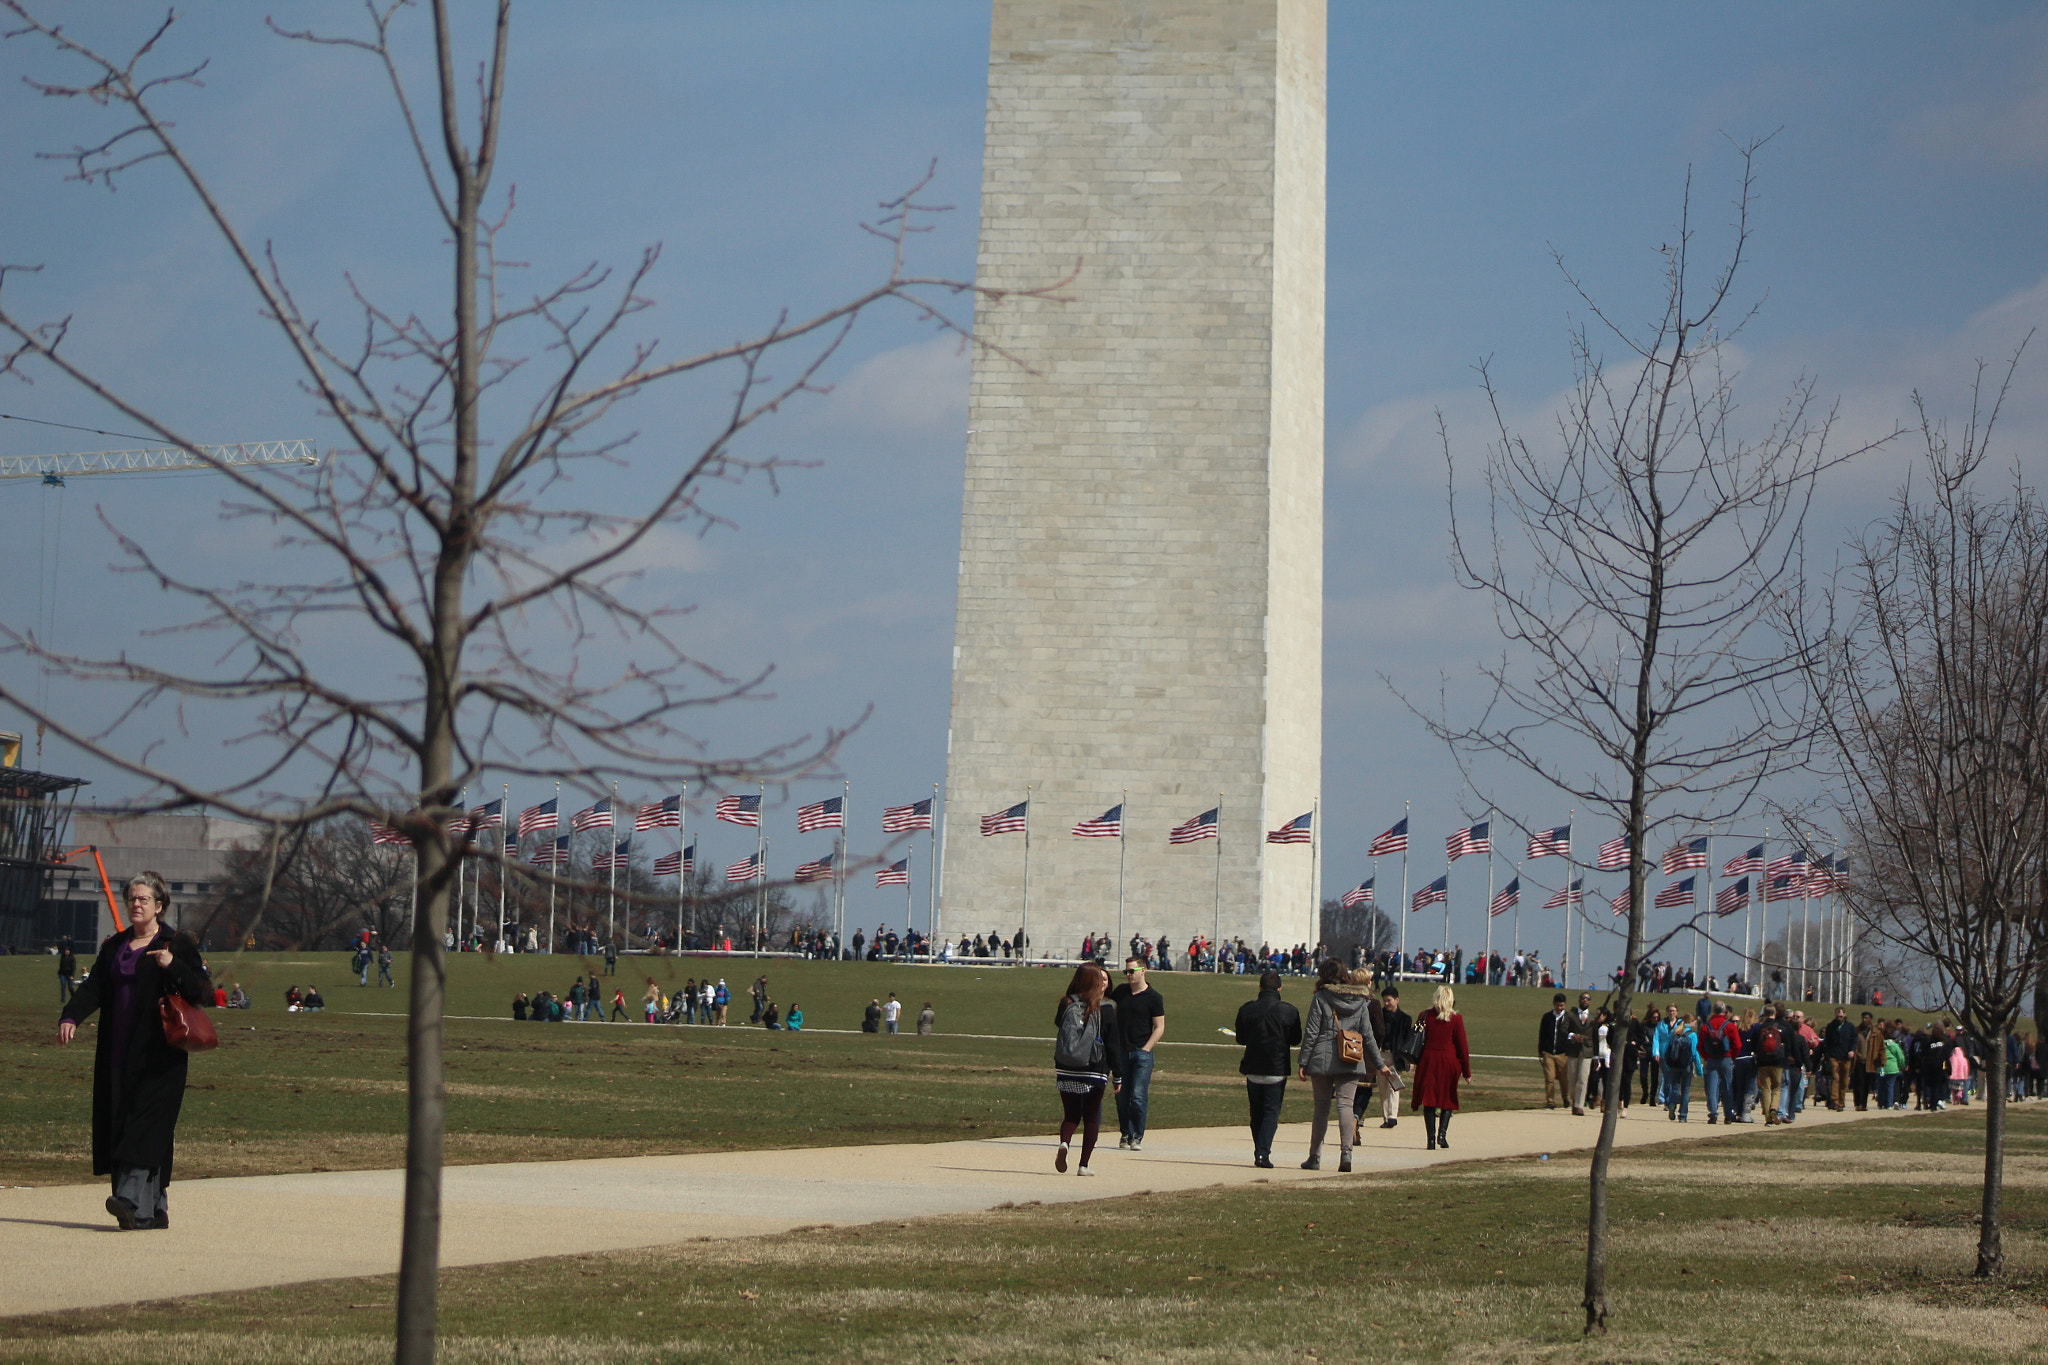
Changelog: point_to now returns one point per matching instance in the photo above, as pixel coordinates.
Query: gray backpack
(1079, 1045)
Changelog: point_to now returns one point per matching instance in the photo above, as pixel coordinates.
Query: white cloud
(920, 389)
(2005, 126)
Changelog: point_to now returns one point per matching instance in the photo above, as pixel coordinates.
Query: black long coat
(135, 1112)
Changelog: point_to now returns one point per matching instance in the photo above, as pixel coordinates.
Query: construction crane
(54, 469)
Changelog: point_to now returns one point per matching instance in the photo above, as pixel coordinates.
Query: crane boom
(159, 459)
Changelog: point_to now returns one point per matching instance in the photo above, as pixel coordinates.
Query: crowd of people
(1768, 1061)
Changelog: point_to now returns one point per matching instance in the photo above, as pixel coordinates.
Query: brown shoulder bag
(186, 1026)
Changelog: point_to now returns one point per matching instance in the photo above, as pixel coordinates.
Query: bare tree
(1934, 691)
(328, 882)
(1637, 573)
(443, 524)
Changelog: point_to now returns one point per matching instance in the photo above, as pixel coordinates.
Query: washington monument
(1141, 557)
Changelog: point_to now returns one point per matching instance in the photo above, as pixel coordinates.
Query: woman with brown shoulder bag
(1337, 1052)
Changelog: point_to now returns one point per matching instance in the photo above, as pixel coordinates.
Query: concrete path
(59, 1249)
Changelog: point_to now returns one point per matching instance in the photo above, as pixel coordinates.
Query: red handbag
(186, 1026)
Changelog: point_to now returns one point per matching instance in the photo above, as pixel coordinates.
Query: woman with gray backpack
(1337, 1052)
(1087, 1058)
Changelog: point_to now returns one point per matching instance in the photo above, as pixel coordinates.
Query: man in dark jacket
(1394, 1028)
(1268, 1029)
(1554, 1049)
(1838, 1044)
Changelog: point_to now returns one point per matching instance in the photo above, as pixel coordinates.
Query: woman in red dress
(1445, 1059)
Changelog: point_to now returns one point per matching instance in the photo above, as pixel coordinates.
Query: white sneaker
(1082, 1170)
(1135, 1147)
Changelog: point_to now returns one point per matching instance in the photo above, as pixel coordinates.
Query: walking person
(1445, 1059)
(926, 1018)
(138, 1079)
(1337, 1051)
(1553, 1039)
(1395, 1025)
(1838, 1042)
(67, 973)
(1087, 1059)
(892, 1013)
(1141, 1012)
(1681, 1061)
(1267, 1029)
(1718, 1043)
(384, 965)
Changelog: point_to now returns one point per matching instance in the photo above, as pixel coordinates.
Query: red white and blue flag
(597, 816)
(676, 864)
(1785, 888)
(903, 819)
(1619, 905)
(666, 813)
(1732, 898)
(1295, 831)
(618, 860)
(1551, 843)
(1015, 820)
(819, 871)
(740, 810)
(827, 814)
(1194, 828)
(895, 874)
(1678, 893)
(1686, 857)
(1436, 893)
(536, 818)
(1750, 864)
(553, 853)
(1393, 841)
(1358, 895)
(489, 815)
(1575, 894)
(381, 833)
(1108, 825)
(1507, 898)
(1474, 839)
(745, 870)
(1790, 865)
(1613, 854)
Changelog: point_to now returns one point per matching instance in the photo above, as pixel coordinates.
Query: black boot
(1443, 1128)
(1429, 1128)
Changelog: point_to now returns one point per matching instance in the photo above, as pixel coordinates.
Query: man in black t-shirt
(1141, 1015)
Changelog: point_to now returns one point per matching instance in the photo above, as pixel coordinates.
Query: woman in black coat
(138, 1079)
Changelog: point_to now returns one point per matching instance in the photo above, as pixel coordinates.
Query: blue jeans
(1137, 1088)
(1793, 1099)
(1265, 1112)
(1720, 1087)
(1678, 1090)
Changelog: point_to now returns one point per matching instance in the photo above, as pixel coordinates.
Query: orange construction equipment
(113, 905)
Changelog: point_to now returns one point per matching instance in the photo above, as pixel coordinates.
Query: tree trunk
(426, 1112)
(1990, 1240)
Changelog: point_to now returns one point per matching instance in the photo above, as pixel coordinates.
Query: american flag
(827, 814)
(597, 816)
(1750, 864)
(1358, 895)
(381, 833)
(1477, 839)
(1678, 893)
(619, 859)
(740, 810)
(511, 843)
(1295, 831)
(819, 871)
(1194, 828)
(1394, 840)
(666, 813)
(1785, 888)
(1732, 898)
(676, 864)
(895, 874)
(553, 853)
(489, 815)
(1613, 854)
(1575, 894)
(458, 822)
(1791, 865)
(1015, 820)
(1108, 825)
(745, 870)
(1686, 857)
(540, 817)
(1436, 893)
(1619, 905)
(1826, 876)
(1551, 843)
(1507, 898)
(903, 819)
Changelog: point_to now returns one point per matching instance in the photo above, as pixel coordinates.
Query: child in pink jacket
(1958, 1074)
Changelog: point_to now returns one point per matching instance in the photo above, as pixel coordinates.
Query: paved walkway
(59, 1249)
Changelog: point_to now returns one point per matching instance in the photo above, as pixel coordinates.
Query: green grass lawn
(291, 1092)
(1847, 1244)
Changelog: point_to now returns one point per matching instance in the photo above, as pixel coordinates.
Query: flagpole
(845, 824)
(1710, 903)
(1315, 874)
(682, 842)
(1756, 895)
(1806, 932)
(907, 892)
(1216, 947)
(1571, 865)
(1402, 965)
(1516, 928)
(554, 876)
(1024, 929)
(504, 811)
(932, 910)
(1123, 814)
(760, 866)
(1486, 963)
(1372, 923)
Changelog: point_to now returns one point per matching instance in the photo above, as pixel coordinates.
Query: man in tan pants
(1553, 1039)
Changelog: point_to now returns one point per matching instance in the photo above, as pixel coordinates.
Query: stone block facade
(1140, 603)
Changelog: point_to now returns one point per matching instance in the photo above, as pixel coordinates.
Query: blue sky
(1898, 237)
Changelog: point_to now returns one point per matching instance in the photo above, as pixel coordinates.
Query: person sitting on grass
(795, 1022)
(238, 999)
(292, 999)
(519, 1007)
(313, 1000)
(771, 1018)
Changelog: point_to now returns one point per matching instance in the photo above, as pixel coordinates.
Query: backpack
(1079, 1045)
(1713, 1043)
(1770, 1045)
